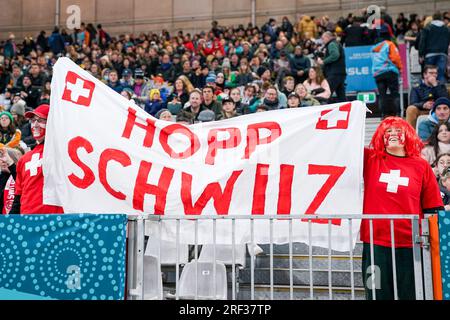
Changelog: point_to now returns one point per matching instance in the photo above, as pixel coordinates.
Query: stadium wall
(28, 17)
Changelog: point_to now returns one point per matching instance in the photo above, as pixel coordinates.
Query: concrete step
(282, 292)
(302, 248)
(370, 128)
(262, 292)
(281, 276)
(319, 262)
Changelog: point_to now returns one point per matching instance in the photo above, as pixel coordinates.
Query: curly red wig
(413, 144)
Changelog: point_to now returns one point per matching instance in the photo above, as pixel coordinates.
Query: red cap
(41, 112)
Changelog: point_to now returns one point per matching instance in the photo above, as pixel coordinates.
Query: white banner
(104, 154)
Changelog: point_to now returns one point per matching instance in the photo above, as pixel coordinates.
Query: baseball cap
(41, 112)
(226, 100)
(293, 95)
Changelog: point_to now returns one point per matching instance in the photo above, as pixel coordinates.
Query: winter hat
(206, 116)
(18, 108)
(439, 101)
(7, 114)
(138, 73)
(158, 114)
(211, 78)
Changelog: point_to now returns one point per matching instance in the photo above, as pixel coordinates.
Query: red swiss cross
(78, 90)
(335, 118)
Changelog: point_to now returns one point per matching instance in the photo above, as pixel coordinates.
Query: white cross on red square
(394, 180)
(335, 118)
(34, 164)
(78, 90)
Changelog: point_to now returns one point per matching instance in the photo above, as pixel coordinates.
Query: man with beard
(30, 178)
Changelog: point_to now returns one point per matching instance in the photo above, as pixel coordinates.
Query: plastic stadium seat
(168, 251)
(153, 287)
(224, 254)
(205, 281)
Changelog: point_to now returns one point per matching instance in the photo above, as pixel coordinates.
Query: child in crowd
(155, 103)
(442, 161)
(9, 135)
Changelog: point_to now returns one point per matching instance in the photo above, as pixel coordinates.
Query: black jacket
(445, 194)
(434, 39)
(335, 68)
(355, 35)
(421, 94)
(299, 63)
(33, 95)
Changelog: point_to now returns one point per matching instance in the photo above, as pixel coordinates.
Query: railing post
(140, 230)
(417, 257)
(131, 272)
(426, 254)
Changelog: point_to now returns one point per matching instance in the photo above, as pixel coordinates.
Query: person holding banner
(30, 178)
(396, 181)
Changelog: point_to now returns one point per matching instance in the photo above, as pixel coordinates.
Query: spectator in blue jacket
(422, 97)
(439, 113)
(56, 42)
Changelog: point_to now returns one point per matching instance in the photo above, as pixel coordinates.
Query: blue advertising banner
(359, 69)
(68, 257)
(444, 243)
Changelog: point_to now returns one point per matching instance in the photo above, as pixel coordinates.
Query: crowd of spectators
(217, 74)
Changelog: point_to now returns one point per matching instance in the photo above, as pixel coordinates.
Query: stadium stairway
(340, 274)
(371, 126)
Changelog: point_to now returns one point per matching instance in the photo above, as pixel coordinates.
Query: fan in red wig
(396, 181)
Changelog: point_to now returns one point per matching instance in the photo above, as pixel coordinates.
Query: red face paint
(38, 130)
(394, 133)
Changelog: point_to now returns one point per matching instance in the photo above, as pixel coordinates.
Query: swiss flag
(78, 90)
(335, 118)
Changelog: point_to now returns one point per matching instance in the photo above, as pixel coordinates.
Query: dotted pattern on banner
(444, 232)
(69, 257)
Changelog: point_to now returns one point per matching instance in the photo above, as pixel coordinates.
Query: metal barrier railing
(136, 247)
